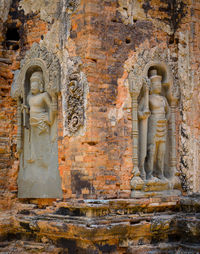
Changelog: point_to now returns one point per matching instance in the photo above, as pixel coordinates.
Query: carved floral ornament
(74, 99)
(38, 58)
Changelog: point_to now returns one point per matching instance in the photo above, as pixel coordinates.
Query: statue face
(156, 87)
(35, 86)
(35, 82)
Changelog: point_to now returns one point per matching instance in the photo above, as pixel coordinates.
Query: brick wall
(99, 163)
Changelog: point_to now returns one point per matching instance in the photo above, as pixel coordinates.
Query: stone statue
(154, 90)
(155, 109)
(35, 87)
(42, 113)
(42, 109)
(39, 176)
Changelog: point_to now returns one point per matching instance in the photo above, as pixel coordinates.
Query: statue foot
(175, 183)
(152, 178)
(137, 183)
(143, 174)
(136, 171)
(163, 178)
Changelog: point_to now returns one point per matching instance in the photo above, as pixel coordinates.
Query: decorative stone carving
(36, 87)
(154, 102)
(131, 11)
(153, 108)
(74, 100)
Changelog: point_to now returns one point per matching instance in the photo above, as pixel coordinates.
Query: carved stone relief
(154, 101)
(36, 86)
(131, 11)
(74, 99)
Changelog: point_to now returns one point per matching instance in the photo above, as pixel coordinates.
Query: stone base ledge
(92, 208)
(104, 226)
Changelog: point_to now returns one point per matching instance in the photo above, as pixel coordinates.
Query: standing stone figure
(39, 176)
(42, 109)
(154, 108)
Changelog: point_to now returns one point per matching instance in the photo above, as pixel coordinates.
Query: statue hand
(146, 83)
(24, 107)
(53, 95)
(147, 113)
(45, 118)
(144, 114)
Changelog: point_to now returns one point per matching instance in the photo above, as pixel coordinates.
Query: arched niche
(37, 124)
(139, 82)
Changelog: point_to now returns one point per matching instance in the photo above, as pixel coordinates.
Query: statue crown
(154, 76)
(37, 75)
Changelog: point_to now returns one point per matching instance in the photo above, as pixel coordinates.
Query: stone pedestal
(155, 188)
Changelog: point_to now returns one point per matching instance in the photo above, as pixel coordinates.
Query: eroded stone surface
(108, 226)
